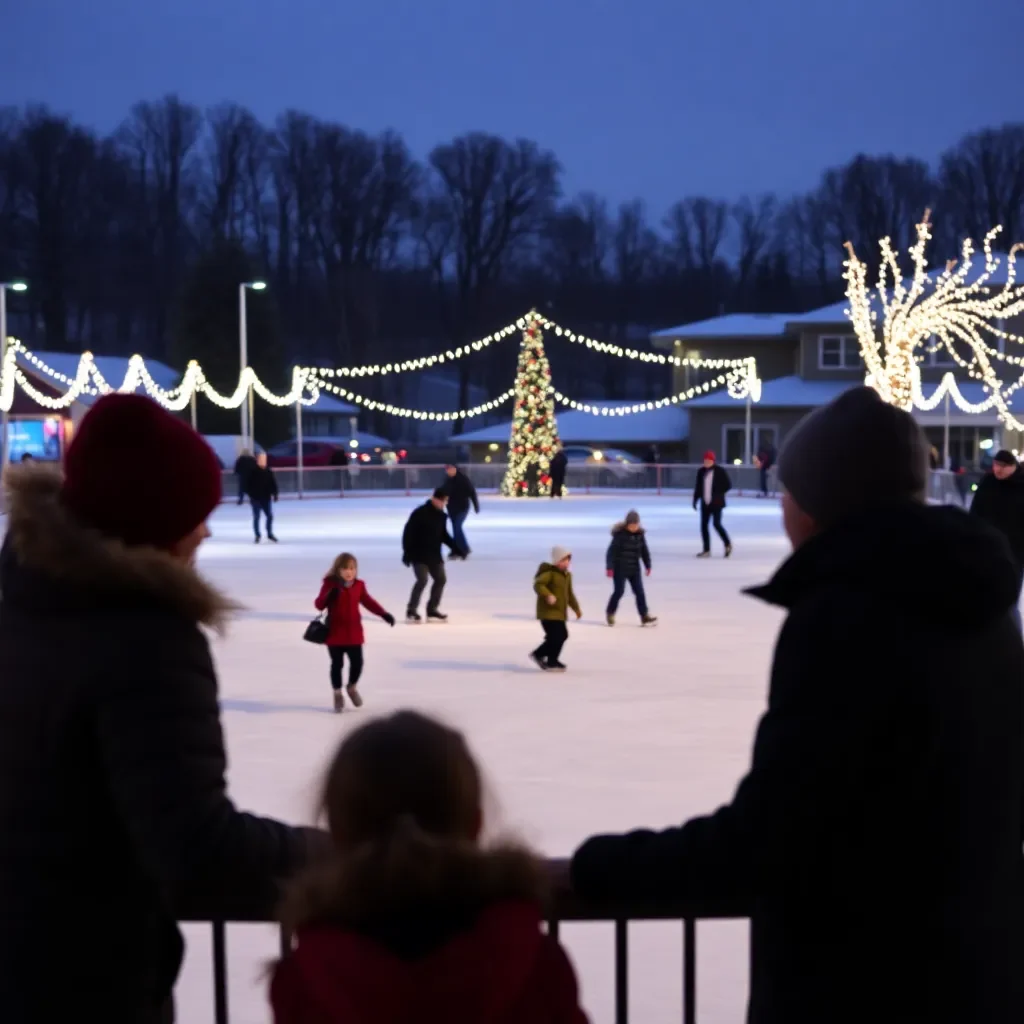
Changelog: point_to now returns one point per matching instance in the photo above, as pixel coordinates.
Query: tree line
(137, 241)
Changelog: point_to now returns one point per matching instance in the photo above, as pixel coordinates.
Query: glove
(610, 573)
(647, 572)
(579, 615)
(405, 560)
(388, 618)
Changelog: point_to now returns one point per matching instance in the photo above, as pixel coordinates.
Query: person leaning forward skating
(115, 819)
(426, 532)
(875, 842)
(709, 493)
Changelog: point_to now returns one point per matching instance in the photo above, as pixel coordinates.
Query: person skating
(875, 841)
(557, 467)
(999, 500)
(627, 555)
(553, 587)
(341, 596)
(261, 487)
(765, 460)
(709, 492)
(425, 533)
(461, 495)
(244, 465)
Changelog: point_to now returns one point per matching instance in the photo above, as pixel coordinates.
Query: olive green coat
(550, 580)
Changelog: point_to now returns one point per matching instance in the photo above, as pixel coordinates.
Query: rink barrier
(567, 909)
(420, 480)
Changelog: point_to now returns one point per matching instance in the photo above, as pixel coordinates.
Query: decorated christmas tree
(534, 432)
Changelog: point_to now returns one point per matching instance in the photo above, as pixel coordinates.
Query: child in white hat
(553, 586)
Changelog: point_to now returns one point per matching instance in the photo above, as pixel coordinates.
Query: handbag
(319, 629)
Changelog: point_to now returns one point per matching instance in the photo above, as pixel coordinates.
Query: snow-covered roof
(113, 368)
(732, 325)
(782, 393)
(834, 314)
(656, 426)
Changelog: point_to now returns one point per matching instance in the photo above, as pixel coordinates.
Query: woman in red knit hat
(114, 814)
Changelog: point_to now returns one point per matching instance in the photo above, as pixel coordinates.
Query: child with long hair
(413, 918)
(341, 596)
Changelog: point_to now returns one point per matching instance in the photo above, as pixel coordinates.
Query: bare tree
(486, 204)
(697, 227)
(234, 184)
(755, 221)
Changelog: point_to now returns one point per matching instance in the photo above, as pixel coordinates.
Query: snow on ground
(648, 726)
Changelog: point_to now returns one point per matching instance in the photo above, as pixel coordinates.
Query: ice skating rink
(648, 726)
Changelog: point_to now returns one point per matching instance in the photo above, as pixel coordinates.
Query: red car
(314, 453)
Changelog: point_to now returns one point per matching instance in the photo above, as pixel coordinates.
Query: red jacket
(503, 970)
(343, 618)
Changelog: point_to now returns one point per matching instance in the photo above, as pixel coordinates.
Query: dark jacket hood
(51, 563)
(935, 560)
(620, 528)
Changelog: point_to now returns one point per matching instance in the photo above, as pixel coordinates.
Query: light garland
(420, 414)
(639, 407)
(933, 313)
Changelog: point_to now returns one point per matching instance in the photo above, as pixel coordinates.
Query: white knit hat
(558, 553)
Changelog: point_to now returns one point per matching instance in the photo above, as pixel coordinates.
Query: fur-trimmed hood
(45, 539)
(620, 527)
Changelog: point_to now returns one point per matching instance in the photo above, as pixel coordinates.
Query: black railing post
(689, 971)
(621, 973)
(220, 973)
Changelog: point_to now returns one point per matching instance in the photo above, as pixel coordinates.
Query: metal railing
(566, 909)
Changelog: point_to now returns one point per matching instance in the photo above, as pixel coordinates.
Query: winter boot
(339, 701)
(648, 620)
(436, 616)
(411, 616)
(354, 695)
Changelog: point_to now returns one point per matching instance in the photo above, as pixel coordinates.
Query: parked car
(314, 453)
(619, 462)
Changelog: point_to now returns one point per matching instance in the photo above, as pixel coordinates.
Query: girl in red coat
(341, 595)
(412, 919)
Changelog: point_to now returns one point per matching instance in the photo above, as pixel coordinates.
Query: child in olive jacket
(553, 586)
(627, 553)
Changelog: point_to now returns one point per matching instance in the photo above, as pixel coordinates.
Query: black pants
(714, 515)
(764, 481)
(557, 483)
(556, 632)
(355, 664)
(636, 582)
(423, 573)
(267, 508)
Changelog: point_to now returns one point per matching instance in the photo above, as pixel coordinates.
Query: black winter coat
(627, 551)
(876, 840)
(558, 465)
(1001, 504)
(244, 465)
(720, 484)
(425, 532)
(114, 814)
(461, 494)
(261, 484)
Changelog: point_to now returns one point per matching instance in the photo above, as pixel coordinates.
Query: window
(734, 441)
(839, 352)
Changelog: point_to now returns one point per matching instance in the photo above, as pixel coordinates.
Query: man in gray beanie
(875, 843)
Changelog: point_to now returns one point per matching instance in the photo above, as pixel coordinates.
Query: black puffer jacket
(425, 532)
(1001, 504)
(627, 551)
(876, 841)
(114, 813)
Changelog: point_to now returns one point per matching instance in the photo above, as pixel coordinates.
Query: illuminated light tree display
(961, 309)
(534, 430)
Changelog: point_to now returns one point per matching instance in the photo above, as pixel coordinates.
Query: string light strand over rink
(947, 310)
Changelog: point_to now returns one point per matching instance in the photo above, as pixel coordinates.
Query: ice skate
(413, 617)
(704, 554)
(339, 702)
(436, 616)
(257, 539)
(648, 620)
(556, 666)
(354, 695)
(539, 661)
(728, 550)
(271, 538)
(610, 619)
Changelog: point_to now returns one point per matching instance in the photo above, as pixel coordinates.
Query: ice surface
(648, 726)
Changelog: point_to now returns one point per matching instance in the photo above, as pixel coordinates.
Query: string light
(420, 414)
(639, 407)
(948, 311)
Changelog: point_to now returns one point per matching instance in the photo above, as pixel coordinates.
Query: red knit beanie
(709, 456)
(135, 472)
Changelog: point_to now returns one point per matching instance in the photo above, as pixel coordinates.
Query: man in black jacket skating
(999, 500)
(875, 842)
(425, 532)
(709, 492)
(261, 486)
(461, 494)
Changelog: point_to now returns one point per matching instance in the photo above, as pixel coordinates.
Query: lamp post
(14, 286)
(243, 359)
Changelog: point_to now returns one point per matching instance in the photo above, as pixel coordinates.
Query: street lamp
(14, 286)
(243, 357)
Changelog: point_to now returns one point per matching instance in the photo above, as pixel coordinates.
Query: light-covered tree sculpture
(962, 309)
(534, 430)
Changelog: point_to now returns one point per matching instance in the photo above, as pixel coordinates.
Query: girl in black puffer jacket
(626, 553)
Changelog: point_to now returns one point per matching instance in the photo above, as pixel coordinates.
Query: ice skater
(341, 596)
(553, 586)
(461, 494)
(627, 552)
(709, 492)
(261, 487)
(425, 533)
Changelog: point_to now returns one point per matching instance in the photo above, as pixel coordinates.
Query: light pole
(14, 286)
(243, 358)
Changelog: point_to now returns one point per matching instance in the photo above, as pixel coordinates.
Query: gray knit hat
(854, 453)
(632, 517)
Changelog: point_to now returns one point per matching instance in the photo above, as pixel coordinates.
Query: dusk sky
(637, 98)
